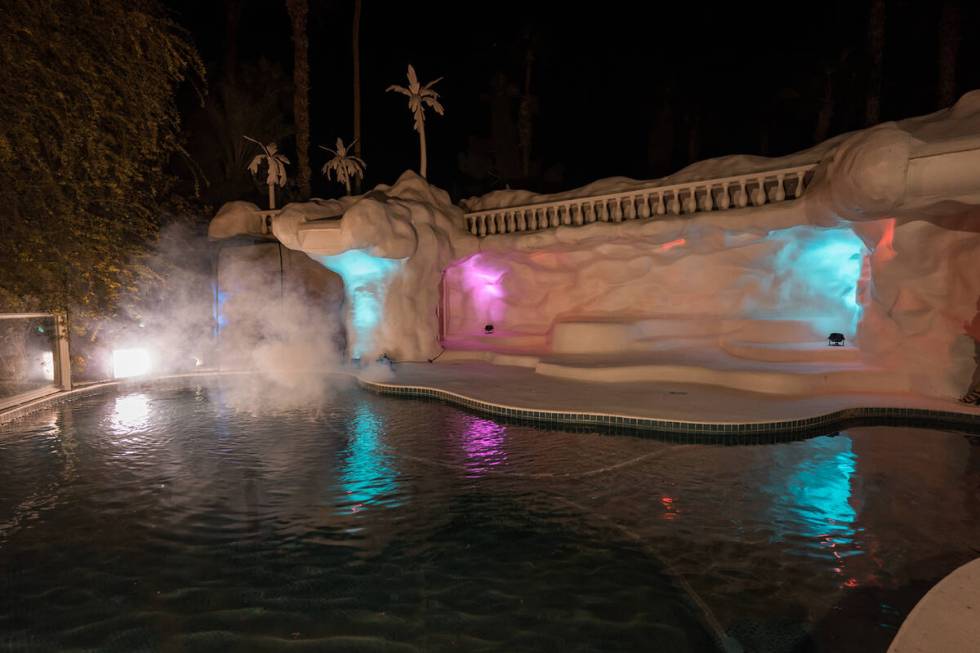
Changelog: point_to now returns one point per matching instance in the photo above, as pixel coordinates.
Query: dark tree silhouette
(876, 45)
(298, 11)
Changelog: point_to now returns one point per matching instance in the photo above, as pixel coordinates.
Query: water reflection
(131, 412)
(811, 489)
(366, 476)
(483, 445)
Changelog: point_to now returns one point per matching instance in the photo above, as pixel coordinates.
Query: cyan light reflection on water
(814, 500)
(483, 445)
(366, 475)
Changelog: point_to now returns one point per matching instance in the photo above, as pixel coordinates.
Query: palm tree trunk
(355, 44)
(347, 184)
(272, 196)
(298, 10)
(876, 36)
(422, 165)
(949, 46)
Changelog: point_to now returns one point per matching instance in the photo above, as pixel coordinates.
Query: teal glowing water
(366, 280)
(817, 271)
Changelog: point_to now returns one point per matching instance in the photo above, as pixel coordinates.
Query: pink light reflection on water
(483, 445)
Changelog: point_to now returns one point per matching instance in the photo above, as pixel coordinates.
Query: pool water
(165, 520)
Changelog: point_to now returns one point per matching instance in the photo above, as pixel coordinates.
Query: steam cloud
(273, 315)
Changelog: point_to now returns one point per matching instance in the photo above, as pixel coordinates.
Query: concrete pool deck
(947, 619)
(519, 392)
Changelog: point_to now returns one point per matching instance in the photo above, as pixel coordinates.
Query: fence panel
(33, 357)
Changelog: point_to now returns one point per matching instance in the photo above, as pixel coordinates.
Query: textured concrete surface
(947, 619)
(522, 388)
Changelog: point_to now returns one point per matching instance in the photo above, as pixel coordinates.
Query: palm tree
(345, 167)
(418, 98)
(275, 166)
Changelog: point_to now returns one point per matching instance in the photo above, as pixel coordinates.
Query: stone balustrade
(741, 191)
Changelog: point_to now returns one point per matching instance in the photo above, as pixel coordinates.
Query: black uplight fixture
(488, 329)
(836, 339)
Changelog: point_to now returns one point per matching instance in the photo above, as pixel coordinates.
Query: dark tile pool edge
(819, 423)
(16, 413)
(777, 429)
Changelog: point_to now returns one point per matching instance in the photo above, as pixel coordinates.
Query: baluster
(759, 194)
(511, 223)
(724, 199)
(612, 209)
(675, 203)
(482, 230)
(553, 219)
(778, 192)
(629, 207)
(643, 206)
(659, 208)
(690, 203)
(501, 219)
(741, 197)
(600, 212)
(575, 213)
(799, 184)
(707, 202)
(587, 213)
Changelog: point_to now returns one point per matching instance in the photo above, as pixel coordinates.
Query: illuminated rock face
(805, 274)
(390, 248)
(884, 247)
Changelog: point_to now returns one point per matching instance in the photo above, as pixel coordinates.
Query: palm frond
(413, 79)
(436, 106)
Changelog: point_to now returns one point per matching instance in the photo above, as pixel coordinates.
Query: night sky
(623, 88)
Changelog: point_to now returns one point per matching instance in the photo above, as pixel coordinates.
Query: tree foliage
(89, 124)
(344, 165)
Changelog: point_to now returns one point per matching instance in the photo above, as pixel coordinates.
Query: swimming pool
(165, 520)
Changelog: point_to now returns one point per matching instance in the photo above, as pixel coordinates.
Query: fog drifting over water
(253, 307)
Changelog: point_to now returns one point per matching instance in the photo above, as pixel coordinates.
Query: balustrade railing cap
(746, 178)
